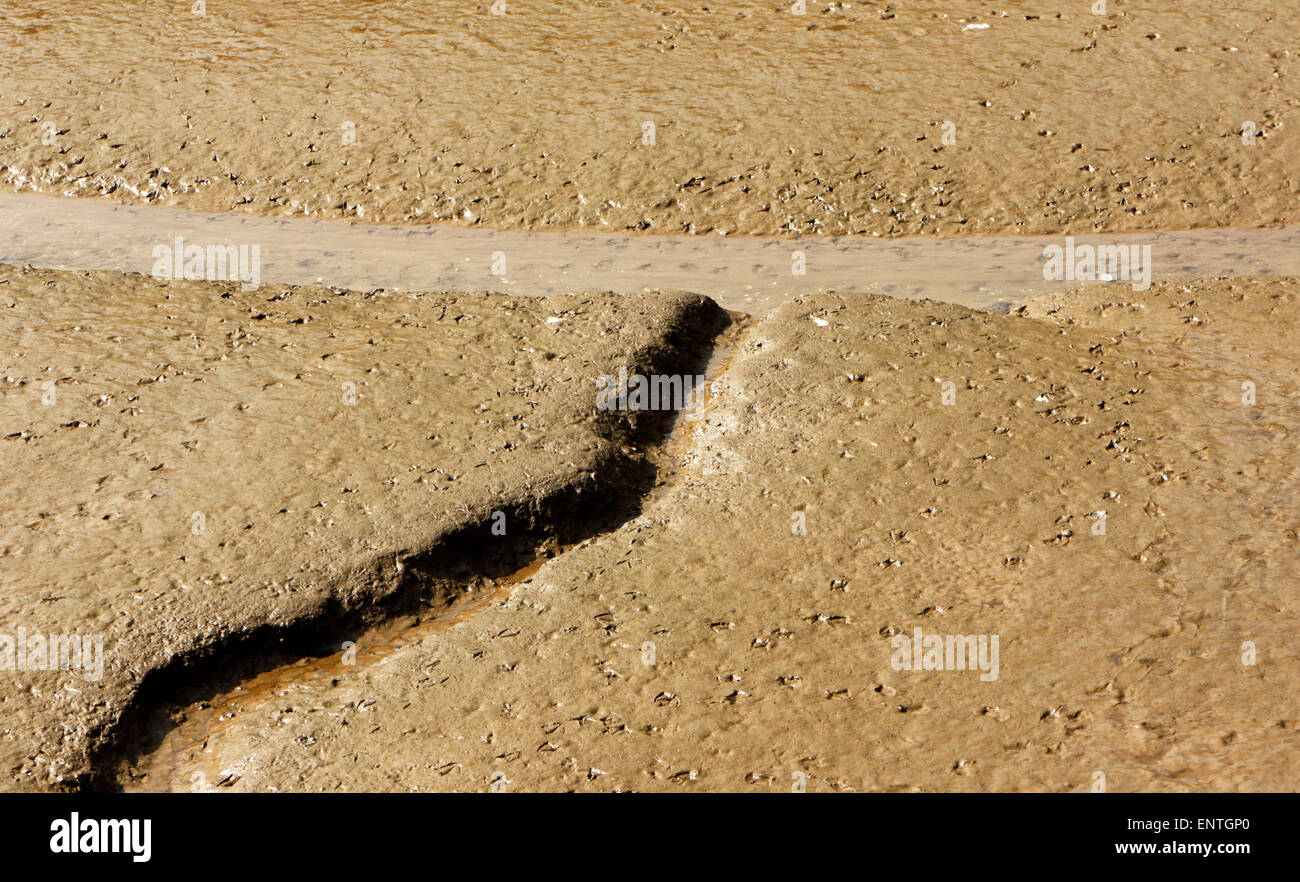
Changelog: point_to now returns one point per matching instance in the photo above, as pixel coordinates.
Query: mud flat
(204, 482)
(1101, 481)
(271, 512)
(952, 118)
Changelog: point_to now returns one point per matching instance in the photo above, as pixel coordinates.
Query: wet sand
(764, 122)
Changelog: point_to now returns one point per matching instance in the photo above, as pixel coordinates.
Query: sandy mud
(1103, 483)
(732, 117)
(199, 478)
(339, 529)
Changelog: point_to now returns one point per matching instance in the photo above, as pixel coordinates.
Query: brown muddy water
(744, 274)
(185, 757)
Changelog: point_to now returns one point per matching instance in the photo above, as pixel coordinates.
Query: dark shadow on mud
(429, 581)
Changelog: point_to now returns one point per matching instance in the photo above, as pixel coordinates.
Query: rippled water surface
(745, 274)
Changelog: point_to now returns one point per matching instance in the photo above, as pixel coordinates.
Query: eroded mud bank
(213, 480)
(1103, 482)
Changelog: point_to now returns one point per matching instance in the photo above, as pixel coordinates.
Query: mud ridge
(426, 581)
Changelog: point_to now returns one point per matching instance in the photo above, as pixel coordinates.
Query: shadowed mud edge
(425, 580)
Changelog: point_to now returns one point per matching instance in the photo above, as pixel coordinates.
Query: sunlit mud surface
(223, 468)
(188, 738)
(1103, 476)
(900, 118)
(1099, 494)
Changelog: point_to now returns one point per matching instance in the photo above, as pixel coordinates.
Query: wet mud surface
(210, 479)
(276, 502)
(903, 118)
(1097, 494)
